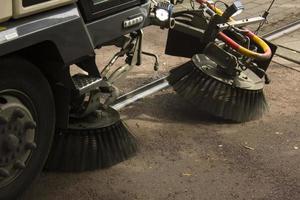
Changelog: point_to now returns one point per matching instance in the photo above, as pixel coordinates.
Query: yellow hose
(264, 46)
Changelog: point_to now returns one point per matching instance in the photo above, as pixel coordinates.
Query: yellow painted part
(2, 28)
(218, 11)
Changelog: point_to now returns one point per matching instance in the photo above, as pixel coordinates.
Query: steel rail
(288, 48)
(282, 31)
(286, 66)
(288, 59)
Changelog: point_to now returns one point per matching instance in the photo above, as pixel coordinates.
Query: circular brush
(202, 83)
(100, 140)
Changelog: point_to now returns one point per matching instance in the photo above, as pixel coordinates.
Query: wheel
(27, 120)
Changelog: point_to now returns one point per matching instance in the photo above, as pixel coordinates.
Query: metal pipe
(140, 93)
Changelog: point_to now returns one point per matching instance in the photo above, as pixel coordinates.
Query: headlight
(162, 15)
(163, 11)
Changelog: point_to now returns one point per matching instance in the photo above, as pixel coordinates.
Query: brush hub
(98, 119)
(203, 83)
(247, 79)
(99, 140)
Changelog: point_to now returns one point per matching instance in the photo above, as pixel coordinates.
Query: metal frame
(49, 27)
(112, 27)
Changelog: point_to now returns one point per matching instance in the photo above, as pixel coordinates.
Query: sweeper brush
(206, 86)
(100, 140)
(228, 70)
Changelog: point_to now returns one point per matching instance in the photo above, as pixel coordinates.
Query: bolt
(4, 172)
(105, 107)
(3, 121)
(19, 165)
(30, 145)
(11, 142)
(17, 114)
(29, 125)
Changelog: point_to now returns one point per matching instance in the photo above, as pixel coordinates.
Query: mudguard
(62, 26)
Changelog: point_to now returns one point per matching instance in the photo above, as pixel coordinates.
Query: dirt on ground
(185, 154)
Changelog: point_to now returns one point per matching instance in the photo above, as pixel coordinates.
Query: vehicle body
(39, 40)
(53, 37)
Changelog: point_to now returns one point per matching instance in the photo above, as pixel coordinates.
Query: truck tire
(27, 122)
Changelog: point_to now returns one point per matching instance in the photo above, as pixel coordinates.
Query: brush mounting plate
(95, 142)
(247, 79)
(98, 119)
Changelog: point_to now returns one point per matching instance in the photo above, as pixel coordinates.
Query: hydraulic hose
(244, 51)
(252, 54)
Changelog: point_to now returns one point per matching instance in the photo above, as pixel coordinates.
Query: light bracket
(235, 9)
(163, 11)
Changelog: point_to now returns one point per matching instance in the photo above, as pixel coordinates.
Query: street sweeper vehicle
(58, 121)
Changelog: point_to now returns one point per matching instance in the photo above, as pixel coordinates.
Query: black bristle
(180, 72)
(78, 150)
(216, 97)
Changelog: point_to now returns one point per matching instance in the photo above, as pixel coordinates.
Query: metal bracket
(89, 106)
(89, 65)
(240, 23)
(133, 50)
